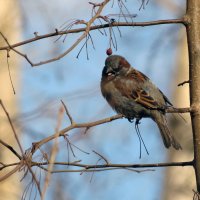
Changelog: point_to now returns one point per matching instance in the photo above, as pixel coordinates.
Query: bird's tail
(168, 138)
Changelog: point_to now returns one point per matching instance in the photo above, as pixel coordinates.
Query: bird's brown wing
(142, 97)
(130, 87)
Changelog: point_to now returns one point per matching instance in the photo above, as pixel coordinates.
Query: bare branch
(10, 148)
(86, 31)
(96, 170)
(7, 175)
(84, 35)
(78, 30)
(8, 56)
(16, 51)
(101, 156)
(67, 112)
(36, 145)
(183, 83)
(107, 166)
(11, 124)
(196, 195)
(178, 110)
(110, 165)
(25, 159)
(87, 125)
(3, 165)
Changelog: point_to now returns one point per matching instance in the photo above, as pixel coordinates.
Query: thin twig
(35, 179)
(183, 83)
(16, 51)
(10, 148)
(13, 88)
(96, 170)
(111, 165)
(4, 177)
(25, 160)
(11, 124)
(101, 156)
(69, 146)
(196, 195)
(67, 112)
(3, 165)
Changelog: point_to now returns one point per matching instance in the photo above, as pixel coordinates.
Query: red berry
(109, 51)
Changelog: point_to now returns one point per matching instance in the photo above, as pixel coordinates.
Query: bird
(131, 93)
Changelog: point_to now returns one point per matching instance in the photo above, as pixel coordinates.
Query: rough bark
(192, 18)
(181, 187)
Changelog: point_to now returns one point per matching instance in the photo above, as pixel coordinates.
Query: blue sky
(76, 82)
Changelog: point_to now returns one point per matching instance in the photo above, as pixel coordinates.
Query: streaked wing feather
(143, 98)
(130, 88)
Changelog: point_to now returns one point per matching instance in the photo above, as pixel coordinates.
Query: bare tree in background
(26, 161)
(6, 93)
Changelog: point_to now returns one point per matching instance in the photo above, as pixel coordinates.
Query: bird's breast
(121, 103)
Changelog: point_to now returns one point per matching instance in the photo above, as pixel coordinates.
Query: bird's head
(114, 66)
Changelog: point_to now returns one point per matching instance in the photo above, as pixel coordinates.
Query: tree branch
(78, 30)
(109, 165)
(10, 148)
(86, 31)
(87, 125)
(12, 127)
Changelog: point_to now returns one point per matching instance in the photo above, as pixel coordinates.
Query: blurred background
(158, 51)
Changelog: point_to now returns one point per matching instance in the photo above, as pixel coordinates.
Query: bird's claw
(137, 121)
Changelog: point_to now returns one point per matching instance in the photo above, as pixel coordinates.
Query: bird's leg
(137, 122)
(131, 120)
(138, 134)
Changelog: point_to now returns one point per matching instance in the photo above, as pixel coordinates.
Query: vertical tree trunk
(192, 18)
(10, 26)
(181, 187)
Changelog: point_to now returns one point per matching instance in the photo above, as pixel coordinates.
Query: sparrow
(132, 94)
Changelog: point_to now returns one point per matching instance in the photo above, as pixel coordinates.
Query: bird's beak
(108, 70)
